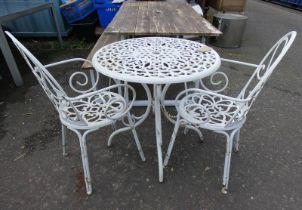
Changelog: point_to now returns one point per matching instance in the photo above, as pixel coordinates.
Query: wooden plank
(104, 40)
(160, 18)
(153, 12)
(182, 20)
(143, 19)
(124, 21)
(176, 19)
(201, 25)
(164, 18)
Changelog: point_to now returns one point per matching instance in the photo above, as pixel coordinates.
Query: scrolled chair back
(265, 68)
(51, 87)
(54, 91)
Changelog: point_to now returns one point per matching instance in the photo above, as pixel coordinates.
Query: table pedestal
(158, 130)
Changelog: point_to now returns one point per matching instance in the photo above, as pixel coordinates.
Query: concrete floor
(265, 174)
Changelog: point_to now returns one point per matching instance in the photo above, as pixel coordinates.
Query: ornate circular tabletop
(156, 60)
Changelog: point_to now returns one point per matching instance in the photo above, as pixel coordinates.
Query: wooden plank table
(155, 18)
(147, 18)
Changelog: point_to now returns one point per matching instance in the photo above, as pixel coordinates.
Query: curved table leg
(137, 119)
(158, 130)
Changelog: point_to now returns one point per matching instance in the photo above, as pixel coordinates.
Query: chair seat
(210, 112)
(93, 111)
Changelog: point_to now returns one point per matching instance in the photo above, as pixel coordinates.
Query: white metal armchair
(223, 114)
(87, 112)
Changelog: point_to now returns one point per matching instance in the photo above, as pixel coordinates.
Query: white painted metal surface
(223, 114)
(197, 9)
(157, 61)
(90, 110)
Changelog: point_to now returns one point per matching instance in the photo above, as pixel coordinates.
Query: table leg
(158, 130)
(57, 25)
(138, 119)
(197, 82)
(9, 58)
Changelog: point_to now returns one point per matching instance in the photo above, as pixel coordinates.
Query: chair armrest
(106, 89)
(240, 62)
(93, 73)
(67, 61)
(206, 92)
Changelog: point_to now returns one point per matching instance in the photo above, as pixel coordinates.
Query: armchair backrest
(50, 86)
(266, 68)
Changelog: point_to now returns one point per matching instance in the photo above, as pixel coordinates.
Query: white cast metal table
(156, 61)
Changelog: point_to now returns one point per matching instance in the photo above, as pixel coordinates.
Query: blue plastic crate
(106, 11)
(77, 10)
(292, 2)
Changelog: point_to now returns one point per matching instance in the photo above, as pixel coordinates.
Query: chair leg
(172, 141)
(186, 130)
(92, 78)
(199, 133)
(114, 126)
(236, 141)
(116, 132)
(84, 157)
(197, 85)
(137, 142)
(227, 161)
(86, 166)
(64, 140)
